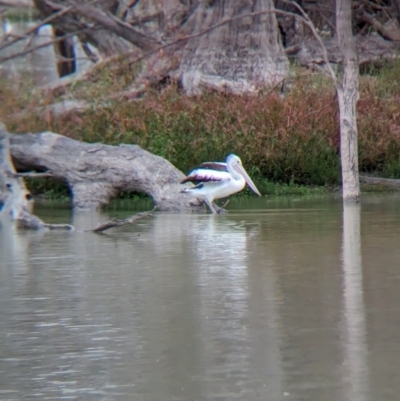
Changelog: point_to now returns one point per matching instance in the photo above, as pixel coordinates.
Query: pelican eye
(28, 197)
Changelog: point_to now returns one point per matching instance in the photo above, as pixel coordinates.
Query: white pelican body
(218, 180)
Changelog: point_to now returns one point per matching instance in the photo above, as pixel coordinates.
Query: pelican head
(235, 167)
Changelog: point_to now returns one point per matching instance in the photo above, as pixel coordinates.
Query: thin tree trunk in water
(348, 95)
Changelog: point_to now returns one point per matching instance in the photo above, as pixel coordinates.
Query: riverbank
(50, 189)
(289, 142)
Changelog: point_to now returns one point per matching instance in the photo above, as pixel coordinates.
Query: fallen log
(385, 182)
(372, 50)
(97, 173)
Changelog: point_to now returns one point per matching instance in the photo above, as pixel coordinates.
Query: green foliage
(136, 196)
(286, 143)
(49, 188)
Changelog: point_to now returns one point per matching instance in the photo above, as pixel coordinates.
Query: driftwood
(118, 223)
(96, 173)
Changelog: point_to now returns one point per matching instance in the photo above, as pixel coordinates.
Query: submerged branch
(27, 221)
(118, 223)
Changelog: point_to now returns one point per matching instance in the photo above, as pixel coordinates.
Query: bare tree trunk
(239, 57)
(16, 202)
(348, 94)
(14, 197)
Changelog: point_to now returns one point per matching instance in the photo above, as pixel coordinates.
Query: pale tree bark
(16, 203)
(14, 197)
(96, 173)
(242, 56)
(348, 94)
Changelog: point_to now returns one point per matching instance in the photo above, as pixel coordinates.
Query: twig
(119, 223)
(225, 204)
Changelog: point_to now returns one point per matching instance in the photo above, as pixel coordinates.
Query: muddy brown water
(280, 299)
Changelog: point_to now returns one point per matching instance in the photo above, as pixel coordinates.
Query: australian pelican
(215, 180)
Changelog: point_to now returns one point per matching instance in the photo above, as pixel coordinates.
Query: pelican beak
(249, 181)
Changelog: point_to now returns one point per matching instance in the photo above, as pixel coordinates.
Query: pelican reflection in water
(215, 180)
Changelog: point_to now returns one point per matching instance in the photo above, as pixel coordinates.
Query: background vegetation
(290, 138)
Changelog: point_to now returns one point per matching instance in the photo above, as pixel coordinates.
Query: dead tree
(346, 84)
(14, 197)
(16, 202)
(348, 94)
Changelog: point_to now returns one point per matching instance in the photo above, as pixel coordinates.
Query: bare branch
(305, 18)
(118, 223)
(50, 42)
(392, 34)
(144, 42)
(37, 26)
(113, 24)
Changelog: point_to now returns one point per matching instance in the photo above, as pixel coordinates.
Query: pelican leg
(210, 206)
(220, 210)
